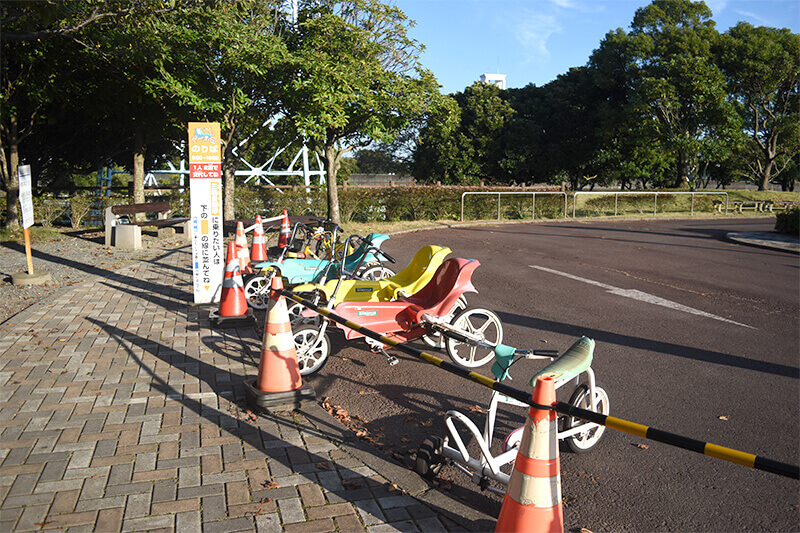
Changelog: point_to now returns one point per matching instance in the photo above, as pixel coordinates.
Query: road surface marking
(641, 296)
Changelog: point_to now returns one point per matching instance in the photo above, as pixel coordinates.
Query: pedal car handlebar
(374, 248)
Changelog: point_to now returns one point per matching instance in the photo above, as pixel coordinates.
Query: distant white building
(494, 79)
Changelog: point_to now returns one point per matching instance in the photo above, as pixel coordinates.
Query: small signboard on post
(205, 191)
(26, 203)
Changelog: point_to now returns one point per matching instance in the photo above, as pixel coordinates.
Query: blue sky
(533, 41)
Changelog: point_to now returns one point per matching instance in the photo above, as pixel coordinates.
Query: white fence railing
(576, 195)
(515, 193)
(654, 194)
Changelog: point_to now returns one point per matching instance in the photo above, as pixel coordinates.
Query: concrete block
(127, 237)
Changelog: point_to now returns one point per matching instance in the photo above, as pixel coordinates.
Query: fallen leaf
(405, 439)
(477, 409)
(393, 487)
(427, 423)
(409, 418)
(324, 465)
(351, 484)
(270, 485)
(723, 417)
(642, 446)
(584, 530)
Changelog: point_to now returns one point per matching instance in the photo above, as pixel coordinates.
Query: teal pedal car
(363, 262)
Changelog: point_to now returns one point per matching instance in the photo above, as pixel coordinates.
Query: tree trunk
(139, 150)
(11, 184)
(331, 167)
(229, 165)
(682, 178)
(766, 174)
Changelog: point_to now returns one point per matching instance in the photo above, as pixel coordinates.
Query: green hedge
(788, 222)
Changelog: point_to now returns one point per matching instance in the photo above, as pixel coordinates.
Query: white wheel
(586, 440)
(434, 339)
(256, 290)
(297, 319)
(376, 272)
(478, 322)
(312, 350)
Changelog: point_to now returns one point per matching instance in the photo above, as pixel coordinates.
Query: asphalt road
(695, 335)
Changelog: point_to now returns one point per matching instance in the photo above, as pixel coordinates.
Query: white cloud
(566, 4)
(717, 6)
(752, 17)
(533, 31)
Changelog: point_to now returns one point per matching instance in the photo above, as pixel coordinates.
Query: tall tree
(762, 67)
(45, 45)
(678, 91)
(468, 147)
(224, 66)
(353, 77)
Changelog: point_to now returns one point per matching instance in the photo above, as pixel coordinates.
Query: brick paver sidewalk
(121, 410)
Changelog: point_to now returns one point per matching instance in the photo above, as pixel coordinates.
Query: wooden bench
(124, 231)
(780, 205)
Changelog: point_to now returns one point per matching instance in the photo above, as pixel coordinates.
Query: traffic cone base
(279, 385)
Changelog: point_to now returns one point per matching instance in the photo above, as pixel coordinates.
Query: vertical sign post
(26, 201)
(205, 192)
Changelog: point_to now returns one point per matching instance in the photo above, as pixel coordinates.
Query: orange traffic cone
(242, 252)
(233, 310)
(286, 231)
(258, 252)
(533, 499)
(279, 384)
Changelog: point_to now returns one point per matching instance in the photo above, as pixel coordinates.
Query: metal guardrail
(642, 193)
(516, 193)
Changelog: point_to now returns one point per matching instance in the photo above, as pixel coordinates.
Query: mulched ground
(76, 257)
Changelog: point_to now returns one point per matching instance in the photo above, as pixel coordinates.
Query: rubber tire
(485, 355)
(429, 458)
(304, 336)
(513, 439)
(434, 339)
(582, 392)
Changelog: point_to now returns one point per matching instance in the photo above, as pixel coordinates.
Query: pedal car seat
(572, 363)
(439, 295)
(409, 280)
(436, 298)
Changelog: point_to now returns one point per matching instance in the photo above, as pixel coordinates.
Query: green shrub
(48, 210)
(788, 222)
(79, 207)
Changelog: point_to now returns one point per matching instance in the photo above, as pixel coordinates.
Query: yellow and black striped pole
(639, 430)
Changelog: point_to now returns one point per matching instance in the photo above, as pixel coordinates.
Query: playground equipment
(573, 366)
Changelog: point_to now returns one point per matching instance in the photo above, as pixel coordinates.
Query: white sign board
(25, 195)
(205, 193)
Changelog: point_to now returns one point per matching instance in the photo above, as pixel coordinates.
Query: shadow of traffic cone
(286, 231)
(233, 310)
(242, 251)
(258, 252)
(533, 499)
(279, 385)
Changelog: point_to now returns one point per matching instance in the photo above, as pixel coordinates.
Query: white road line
(642, 296)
